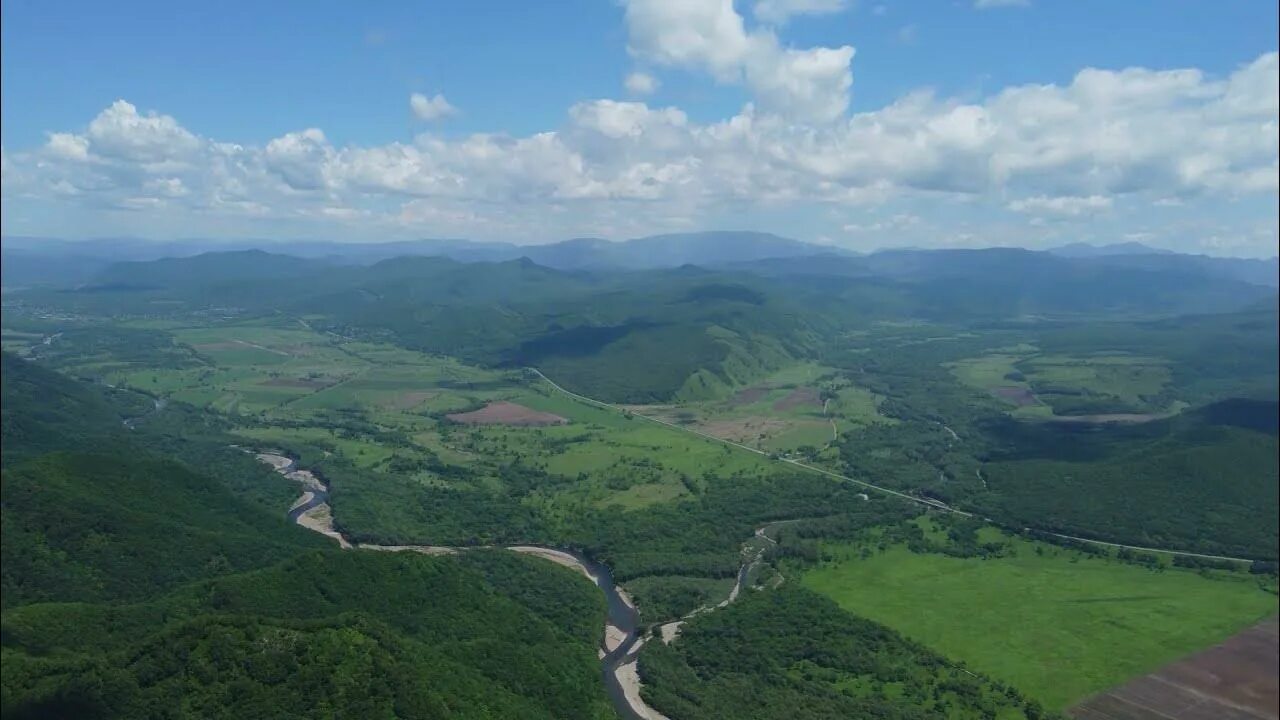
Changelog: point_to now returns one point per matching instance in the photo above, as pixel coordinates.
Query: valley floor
(1059, 625)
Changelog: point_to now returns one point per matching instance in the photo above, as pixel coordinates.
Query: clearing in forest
(1054, 623)
(507, 413)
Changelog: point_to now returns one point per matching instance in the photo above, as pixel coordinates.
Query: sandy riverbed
(424, 549)
(306, 479)
(613, 637)
(670, 631)
(558, 557)
(305, 498)
(320, 519)
(277, 462)
(629, 677)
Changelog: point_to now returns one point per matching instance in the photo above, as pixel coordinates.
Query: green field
(1041, 386)
(802, 408)
(1055, 625)
(383, 408)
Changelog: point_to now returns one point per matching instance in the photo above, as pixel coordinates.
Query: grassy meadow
(1050, 621)
(802, 408)
(1039, 386)
(383, 408)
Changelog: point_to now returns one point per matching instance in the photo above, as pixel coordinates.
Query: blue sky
(864, 124)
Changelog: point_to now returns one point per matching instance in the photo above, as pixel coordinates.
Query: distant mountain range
(1085, 250)
(29, 261)
(43, 261)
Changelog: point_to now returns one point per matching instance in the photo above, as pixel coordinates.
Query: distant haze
(41, 261)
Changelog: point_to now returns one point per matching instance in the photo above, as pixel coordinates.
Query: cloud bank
(1159, 138)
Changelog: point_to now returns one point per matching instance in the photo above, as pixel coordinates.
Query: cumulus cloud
(119, 131)
(710, 36)
(68, 146)
(778, 12)
(638, 83)
(1050, 151)
(430, 108)
(299, 158)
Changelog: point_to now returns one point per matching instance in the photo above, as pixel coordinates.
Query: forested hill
(609, 333)
(44, 411)
(90, 515)
(130, 579)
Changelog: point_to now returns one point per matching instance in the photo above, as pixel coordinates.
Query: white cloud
(989, 4)
(1062, 206)
(430, 108)
(710, 36)
(638, 83)
(1050, 151)
(171, 187)
(778, 12)
(68, 146)
(300, 159)
(120, 132)
(623, 119)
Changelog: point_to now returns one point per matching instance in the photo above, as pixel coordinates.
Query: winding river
(622, 638)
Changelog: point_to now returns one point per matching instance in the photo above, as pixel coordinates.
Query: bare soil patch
(1017, 395)
(1237, 680)
(748, 396)
(800, 397)
(506, 413)
(743, 429)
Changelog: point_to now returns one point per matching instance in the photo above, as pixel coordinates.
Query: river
(616, 664)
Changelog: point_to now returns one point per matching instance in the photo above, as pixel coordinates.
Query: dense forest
(1199, 482)
(135, 586)
(486, 635)
(793, 654)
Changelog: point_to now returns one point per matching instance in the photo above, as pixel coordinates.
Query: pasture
(1050, 621)
(801, 408)
(1039, 386)
(387, 409)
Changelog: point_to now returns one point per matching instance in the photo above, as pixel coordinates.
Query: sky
(862, 124)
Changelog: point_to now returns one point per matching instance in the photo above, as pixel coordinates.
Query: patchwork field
(1102, 387)
(433, 421)
(1236, 680)
(1051, 622)
(801, 409)
(506, 413)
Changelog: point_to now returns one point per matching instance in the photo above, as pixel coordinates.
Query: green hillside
(440, 638)
(123, 526)
(134, 586)
(43, 412)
